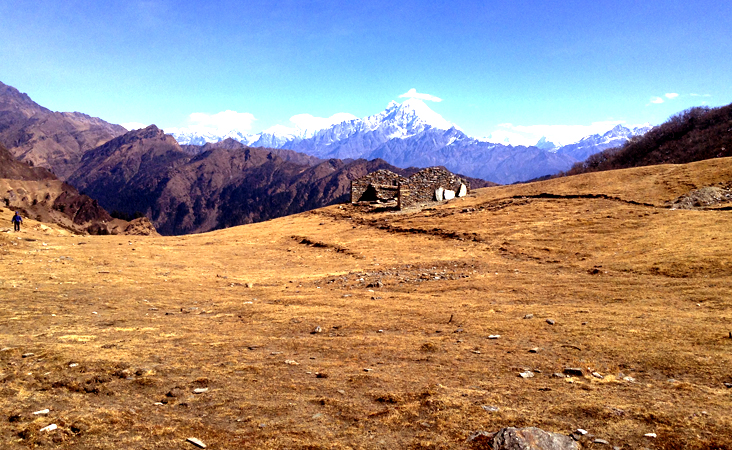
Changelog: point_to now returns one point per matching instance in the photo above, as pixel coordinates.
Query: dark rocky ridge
(219, 185)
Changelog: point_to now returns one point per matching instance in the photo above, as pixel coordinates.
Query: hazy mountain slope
(590, 145)
(462, 154)
(49, 139)
(11, 168)
(692, 135)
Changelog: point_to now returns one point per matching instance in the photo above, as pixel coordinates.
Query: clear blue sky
(492, 62)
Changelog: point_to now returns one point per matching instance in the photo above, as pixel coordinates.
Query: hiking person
(17, 220)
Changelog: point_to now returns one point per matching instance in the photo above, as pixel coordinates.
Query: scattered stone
(477, 352)
(527, 374)
(597, 375)
(43, 411)
(573, 372)
(159, 404)
(529, 316)
(321, 375)
(51, 427)
(72, 365)
(559, 375)
(534, 350)
(28, 355)
(650, 435)
(494, 336)
(524, 438)
(439, 192)
(197, 442)
(341, 391)
(629, 379)
(728, 385)
(200, 390)
(581, 431)
(367, 370)
(550, 321)
(490, 408)
(317, 416)
(292, 362)
(317, 330)
(380, 331)
(601, 441)
(6, 349)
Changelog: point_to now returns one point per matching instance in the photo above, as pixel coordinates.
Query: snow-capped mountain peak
(415, 113)
(405, 119)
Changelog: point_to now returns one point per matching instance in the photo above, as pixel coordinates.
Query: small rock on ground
(523, 438)
(196, 442)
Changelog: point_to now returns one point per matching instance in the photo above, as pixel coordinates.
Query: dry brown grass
(634, 289)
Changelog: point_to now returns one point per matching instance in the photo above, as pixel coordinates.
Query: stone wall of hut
(384, 183)
(421, 187)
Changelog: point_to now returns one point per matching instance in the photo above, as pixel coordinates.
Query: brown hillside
(36, 193)
(49, 139)
(340, 328)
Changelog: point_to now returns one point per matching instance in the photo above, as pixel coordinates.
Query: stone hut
(382, 185)
(427, 185)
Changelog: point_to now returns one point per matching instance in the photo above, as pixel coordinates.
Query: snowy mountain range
(411, 134)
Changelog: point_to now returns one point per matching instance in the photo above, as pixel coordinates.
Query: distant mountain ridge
(411, 134)
(692, 135)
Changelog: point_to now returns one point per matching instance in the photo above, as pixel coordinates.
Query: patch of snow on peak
(416, 109)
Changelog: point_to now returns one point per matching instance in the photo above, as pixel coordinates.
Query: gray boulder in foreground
(530, 438)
